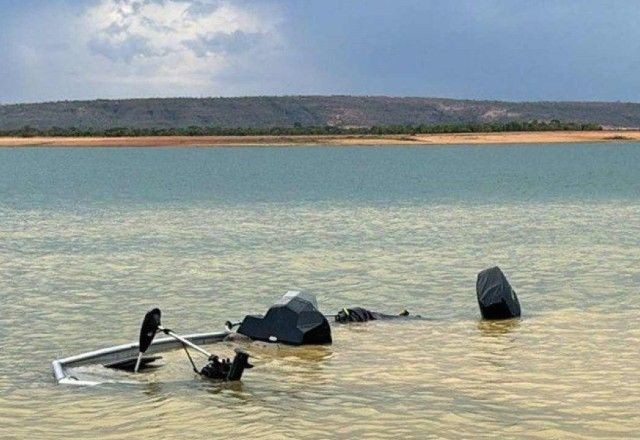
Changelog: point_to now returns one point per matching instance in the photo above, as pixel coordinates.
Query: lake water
(90, 239)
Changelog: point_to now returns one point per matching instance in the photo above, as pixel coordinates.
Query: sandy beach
(337, 140)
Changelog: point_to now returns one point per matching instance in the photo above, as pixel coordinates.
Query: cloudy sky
(478, 49)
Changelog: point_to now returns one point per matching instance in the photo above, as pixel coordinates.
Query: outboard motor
(225, 369)
(496, 297)
(294, 320)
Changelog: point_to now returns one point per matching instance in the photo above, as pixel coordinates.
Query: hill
(286, 111)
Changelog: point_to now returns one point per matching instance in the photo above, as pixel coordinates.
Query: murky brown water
(80, 277)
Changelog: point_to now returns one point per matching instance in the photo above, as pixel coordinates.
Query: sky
(581, 50)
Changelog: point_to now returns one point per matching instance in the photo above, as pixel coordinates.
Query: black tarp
(294, 320)
(496, 297)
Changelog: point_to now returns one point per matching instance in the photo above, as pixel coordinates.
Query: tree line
(299, 130)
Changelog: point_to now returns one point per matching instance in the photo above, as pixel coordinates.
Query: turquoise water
(70, 178)
(92, 238)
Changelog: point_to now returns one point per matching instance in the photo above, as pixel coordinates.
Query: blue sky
(482, 49)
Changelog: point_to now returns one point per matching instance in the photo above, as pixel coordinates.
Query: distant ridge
(285, 111)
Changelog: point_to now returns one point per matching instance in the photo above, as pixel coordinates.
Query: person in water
(359, 314)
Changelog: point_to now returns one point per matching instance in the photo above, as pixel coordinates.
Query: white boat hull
(122, 352)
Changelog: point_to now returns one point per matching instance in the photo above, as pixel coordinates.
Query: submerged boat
(293, 320)
(122, 356)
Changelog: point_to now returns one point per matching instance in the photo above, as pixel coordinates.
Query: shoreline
(329, 140)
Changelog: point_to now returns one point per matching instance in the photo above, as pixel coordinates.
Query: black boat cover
(496, 297)
(294, 320)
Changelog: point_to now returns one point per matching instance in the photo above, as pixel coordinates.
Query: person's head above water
(359, 314)
(342, 315)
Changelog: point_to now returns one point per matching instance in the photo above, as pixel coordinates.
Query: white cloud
(156, 48)
(170, 47)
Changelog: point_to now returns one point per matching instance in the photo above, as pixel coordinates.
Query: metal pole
(135, 370)
(185, 341)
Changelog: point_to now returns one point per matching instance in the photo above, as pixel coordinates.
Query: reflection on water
(80, 264)
(497, 329)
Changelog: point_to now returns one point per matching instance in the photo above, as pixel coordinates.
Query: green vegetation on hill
(298, 129)
(266, 113)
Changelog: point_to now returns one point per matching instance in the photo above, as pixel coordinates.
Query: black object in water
(360, 314)
(496, 297)
(294, 320)
(225, 369)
